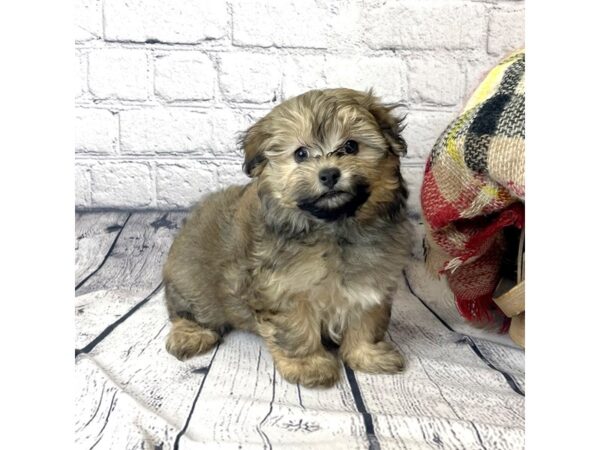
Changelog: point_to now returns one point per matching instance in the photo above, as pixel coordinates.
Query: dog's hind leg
(188, 338)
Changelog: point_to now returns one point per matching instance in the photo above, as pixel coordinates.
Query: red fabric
(475, 246)
(473, 187)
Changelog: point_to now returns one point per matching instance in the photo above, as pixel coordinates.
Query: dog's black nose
(330, 176)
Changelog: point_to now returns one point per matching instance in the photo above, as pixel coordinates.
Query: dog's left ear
(391, 126)
(252, 143)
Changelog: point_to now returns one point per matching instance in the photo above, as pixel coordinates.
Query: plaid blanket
(474, 187)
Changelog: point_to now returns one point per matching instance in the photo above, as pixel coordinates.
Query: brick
(96, 131)
(303, 73)
(413, 177)
(265, 23)
(80, 74)
(247, 77)
(175, 153)
(122, 183)
(506, 30)
(435, 79)
(88, 20)
(426, 25)
(118, 73)
(180, 184)
(83, 191)
(422, 130)
(476, 69)
(230, 173)
(172, 21)
(164, 130)
(386, 75)
(227, 125)
(184, 76)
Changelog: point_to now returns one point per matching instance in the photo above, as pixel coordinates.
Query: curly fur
(279, 258)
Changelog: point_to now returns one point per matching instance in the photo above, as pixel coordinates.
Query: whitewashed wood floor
(463, 387)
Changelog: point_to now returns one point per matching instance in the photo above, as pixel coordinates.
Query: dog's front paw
(380, 357)
(317, 370)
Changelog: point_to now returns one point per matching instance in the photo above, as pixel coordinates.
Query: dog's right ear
(252, 143)
(391, 125)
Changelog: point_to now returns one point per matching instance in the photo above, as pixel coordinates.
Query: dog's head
(328, 155)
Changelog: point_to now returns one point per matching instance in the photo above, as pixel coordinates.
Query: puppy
(312, 248)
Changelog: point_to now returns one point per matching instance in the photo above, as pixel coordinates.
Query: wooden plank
(425, 433)
(236, 396)
(94, 235)
(244, 400)
(498, 349)
(295, 415)
(138, 256)
(129, 274)
(418, 237)
(133, 394)
(108, 418)
(436, 294)
(238, 404)
(507, 359)
(96, 310)
(130, 390)
(447, 396)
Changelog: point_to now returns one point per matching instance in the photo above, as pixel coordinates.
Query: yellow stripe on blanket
(455, 150)
(489, 86)
(490, 191)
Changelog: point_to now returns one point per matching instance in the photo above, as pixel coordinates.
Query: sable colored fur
(311, 248)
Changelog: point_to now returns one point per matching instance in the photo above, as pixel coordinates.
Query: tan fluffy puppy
(311, 248)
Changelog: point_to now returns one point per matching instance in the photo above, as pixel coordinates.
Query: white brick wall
(163, 87)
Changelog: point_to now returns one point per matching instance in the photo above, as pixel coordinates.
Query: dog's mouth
(334, 194)
(336, 204)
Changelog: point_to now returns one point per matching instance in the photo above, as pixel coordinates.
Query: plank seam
(478, 435)
(443, 396)
(109, 329)
(110, 410)
(299, 396)
(82, 282)
(360, 405)
(97, 407)
(262, 434)
(508, 377)
(425, 304)
(439, 389)
(187, 422)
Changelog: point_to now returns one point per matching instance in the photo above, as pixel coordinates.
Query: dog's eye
(351, 147)
(301, 154)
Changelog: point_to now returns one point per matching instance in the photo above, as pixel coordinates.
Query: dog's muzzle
(336, 204)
